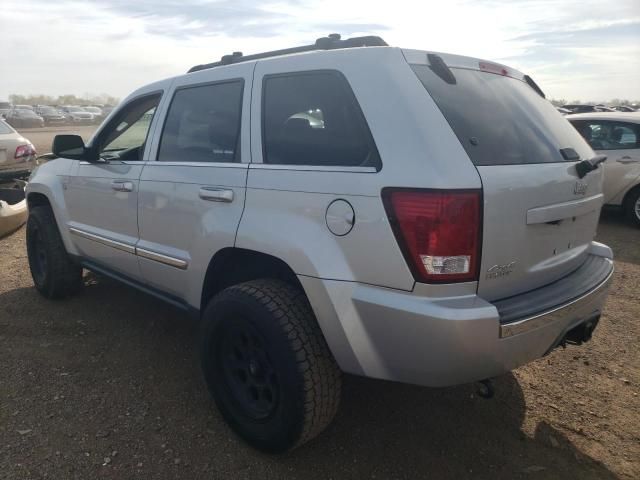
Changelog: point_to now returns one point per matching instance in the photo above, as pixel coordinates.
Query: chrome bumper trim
(545, 318)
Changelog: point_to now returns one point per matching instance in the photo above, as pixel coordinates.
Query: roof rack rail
(330, 42)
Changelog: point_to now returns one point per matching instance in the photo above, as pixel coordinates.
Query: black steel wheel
(268, 366)
(247, 370)
(54, 273)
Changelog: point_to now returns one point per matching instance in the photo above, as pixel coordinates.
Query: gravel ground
(107, 385)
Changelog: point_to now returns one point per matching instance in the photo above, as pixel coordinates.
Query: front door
(102, 197)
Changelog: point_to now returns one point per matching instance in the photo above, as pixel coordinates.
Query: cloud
(574, 48)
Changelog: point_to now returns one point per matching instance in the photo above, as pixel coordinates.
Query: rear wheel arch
(232, 266)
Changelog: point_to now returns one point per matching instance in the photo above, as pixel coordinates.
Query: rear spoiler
(534, 85)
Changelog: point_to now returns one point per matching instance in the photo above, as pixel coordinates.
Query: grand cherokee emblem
(580, 188)
(498, 271)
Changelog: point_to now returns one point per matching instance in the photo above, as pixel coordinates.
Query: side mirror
(71, 146)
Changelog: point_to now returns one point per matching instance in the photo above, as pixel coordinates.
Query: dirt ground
(107, 385)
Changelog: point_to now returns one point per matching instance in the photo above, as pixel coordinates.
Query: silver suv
(340, 207)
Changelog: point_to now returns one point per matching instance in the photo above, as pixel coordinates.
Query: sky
(574, 49)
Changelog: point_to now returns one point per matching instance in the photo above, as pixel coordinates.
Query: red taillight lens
(438, 231)
(25, 151)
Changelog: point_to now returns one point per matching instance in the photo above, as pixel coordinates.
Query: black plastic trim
(168, 298)
(581, 281)
(330, 42)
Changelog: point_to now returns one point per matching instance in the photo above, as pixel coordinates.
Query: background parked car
(51, 116)
(616, 135)
(106, 110)
(98, 115)
(5, 107)
(77, 115)
(23, 107)
(623, 108)
(24, 118)
(17, 154)
(579, 108)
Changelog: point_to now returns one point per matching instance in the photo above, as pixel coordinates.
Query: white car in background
(17, 159)
(616, 135)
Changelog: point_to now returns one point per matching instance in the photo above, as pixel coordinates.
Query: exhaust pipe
(582, 333)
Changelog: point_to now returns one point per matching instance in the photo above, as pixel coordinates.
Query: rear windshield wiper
(589, 165)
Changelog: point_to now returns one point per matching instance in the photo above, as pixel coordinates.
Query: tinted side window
(313, 118)
(203, 124)
(607, 135)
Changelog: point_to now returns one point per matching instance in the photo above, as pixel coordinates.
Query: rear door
(539, 217)
(620, 142)
(192, 192)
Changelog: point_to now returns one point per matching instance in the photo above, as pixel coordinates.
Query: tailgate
(536, 228)
(539, 216)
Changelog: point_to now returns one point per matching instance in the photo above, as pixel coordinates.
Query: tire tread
(322, 378)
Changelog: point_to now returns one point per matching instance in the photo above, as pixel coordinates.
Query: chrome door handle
(216, 194)
(122, 186)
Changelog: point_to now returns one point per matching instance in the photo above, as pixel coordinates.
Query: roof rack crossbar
(330, 42)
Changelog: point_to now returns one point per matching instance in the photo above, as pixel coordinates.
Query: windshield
(92, 109)
(48, 110)
(501, 120)
(73, 109)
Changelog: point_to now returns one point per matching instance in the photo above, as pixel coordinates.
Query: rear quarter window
(313, 118)
(501, 120)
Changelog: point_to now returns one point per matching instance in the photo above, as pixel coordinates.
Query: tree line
(102, 99)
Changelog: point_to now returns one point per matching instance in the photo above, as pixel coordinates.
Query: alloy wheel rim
(637, 208)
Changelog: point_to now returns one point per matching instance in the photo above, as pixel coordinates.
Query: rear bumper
(420, 339)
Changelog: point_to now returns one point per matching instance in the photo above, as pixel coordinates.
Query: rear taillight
(438, 232)
(25, 151)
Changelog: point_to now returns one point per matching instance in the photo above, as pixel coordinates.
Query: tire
(54, 274)
(267, 365)
(632, 207)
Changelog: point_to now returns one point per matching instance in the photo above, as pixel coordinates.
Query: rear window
(4, 128)
(500, 120)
